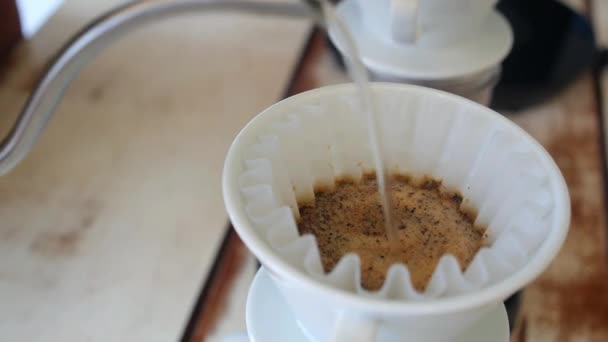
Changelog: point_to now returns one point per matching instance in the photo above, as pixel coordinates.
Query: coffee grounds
(428, 220)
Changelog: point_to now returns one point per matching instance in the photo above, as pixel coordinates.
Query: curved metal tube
(83, 48)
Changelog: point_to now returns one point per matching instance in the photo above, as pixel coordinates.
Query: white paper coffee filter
(491, 164)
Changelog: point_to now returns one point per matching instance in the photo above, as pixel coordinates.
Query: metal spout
(96, 36)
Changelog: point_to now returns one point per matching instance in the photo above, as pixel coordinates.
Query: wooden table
(569, 302)
(110, 225)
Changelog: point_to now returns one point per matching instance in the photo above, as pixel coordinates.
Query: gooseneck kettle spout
(88, 43)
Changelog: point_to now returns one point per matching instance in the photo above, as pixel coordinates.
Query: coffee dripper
(456, 46)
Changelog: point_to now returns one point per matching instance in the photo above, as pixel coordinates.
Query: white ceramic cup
(328, 314)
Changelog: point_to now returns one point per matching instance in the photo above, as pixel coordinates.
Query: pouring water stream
(358, 73)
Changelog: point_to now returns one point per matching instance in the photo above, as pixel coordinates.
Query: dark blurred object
(10, 27)
(552, 46)
(21, 19)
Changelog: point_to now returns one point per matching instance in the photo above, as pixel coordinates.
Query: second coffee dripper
(456, 46)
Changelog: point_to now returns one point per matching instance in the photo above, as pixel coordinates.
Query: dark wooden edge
(200, 303)
(216, 288)
(302, 75)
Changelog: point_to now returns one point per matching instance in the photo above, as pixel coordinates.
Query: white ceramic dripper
(455, 45)
(505, 174)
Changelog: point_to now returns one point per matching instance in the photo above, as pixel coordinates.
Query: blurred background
(113, 228)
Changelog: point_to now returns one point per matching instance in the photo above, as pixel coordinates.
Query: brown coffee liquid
(429, 225)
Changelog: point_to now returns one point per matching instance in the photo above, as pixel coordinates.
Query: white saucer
(269, 318)
(484, 50)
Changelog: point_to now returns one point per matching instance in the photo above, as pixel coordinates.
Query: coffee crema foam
(428, 219)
